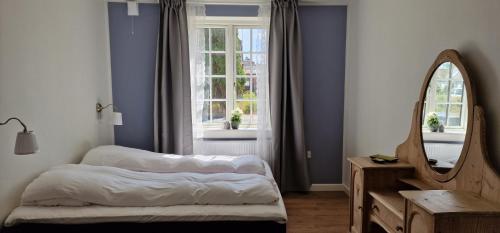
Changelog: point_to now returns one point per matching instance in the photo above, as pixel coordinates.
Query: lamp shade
(117, 118)
(26, 143)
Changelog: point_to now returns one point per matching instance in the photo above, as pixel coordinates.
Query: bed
(177, 218)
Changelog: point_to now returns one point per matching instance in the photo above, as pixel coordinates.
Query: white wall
(53, 69)
(392, 43)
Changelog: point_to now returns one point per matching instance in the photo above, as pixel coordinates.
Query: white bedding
(80, 184)
(141, 160)
(101, 214)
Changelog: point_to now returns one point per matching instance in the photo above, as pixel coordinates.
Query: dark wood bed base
(157, 227)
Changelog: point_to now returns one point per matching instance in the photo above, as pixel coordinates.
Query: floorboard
(317, 212)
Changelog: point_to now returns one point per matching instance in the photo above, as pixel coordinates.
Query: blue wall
(232, 10)
(324, 41)
(133, 71)
(323, 34)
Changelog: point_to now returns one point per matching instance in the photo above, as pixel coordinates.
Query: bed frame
(156, 227)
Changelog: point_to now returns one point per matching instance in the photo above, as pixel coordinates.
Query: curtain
(264, 142)
(172, 104)
(195, 13)
(286, 97)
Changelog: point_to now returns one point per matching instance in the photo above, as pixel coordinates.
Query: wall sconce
(117, 116)
(132, 8)
(25, 141)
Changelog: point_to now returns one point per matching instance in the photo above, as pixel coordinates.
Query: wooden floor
(317, 212)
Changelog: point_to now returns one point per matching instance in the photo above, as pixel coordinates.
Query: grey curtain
(286, 97)
(172, 110)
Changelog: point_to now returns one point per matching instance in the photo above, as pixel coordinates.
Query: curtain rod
(254, 2)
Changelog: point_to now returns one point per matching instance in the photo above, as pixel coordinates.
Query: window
(447, 100)
(231, 54)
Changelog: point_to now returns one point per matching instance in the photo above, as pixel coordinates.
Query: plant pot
(235, 124)
(434, 129)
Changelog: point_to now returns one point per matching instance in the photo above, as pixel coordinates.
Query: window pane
(219, 111)
(443, 71)
(455, 73)
(242, 86)
(243, 40)
(207, 39)
(238, 42)
(254, 112)
(441, 112)
(218, 64)
(218, 39)
(245, 106)
(254, 87)
(442, 91)
(240, 70)
(257, 60)
(207, 64)
(200, 34)
(206, 88)
(259, 40)
(205, 116)
(218, 88)
(456, 91)
(260, 59)
(455, 115)
(243, 64)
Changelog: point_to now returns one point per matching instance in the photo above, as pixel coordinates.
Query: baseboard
(346, 190)
(327, 187)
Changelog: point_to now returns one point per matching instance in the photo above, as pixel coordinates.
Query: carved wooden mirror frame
(473, 171)
(453, 57)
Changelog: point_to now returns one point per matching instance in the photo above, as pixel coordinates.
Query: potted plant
(236, 118)
(433, 122)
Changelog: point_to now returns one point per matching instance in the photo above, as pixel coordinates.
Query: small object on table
(378, 158)
(227, 125)
(433, 161)
(441, 128)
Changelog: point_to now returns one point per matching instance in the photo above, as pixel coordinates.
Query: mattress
(189, 213)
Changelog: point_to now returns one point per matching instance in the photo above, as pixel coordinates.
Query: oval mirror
(446, 113)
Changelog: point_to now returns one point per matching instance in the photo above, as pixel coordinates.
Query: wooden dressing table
(413, 197)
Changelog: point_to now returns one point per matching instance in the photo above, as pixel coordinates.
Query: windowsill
(446, 131)
(446, 137)
(229, 134)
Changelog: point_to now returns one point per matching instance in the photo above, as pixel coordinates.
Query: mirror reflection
(444, 117)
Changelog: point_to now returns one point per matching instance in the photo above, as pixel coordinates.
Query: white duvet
(141, 160)
(79, 185)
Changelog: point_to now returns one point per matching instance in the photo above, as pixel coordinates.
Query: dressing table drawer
(418, 220)
(385, 217)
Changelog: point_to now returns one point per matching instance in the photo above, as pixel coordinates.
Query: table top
(451, 201)
(366, 163)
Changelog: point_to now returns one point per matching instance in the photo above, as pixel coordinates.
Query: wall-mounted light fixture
(26, 141)
(117, 116)
(132, 8)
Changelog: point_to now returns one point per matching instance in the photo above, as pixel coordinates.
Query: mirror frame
(454, 57)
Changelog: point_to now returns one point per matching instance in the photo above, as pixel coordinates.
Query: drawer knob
(399, 228)
(375, 207)
(360, 207)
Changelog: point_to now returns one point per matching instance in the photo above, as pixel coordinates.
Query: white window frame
(214, 130)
